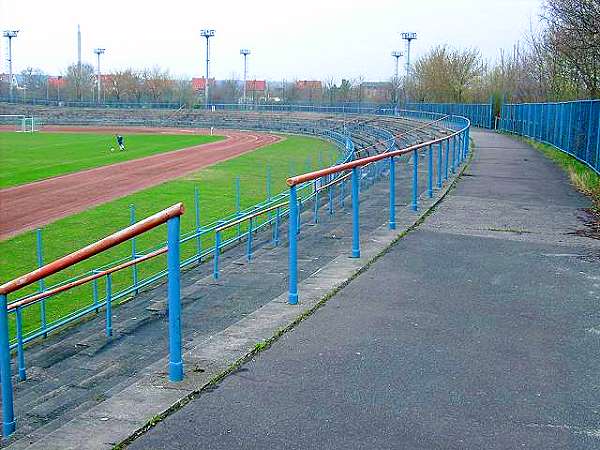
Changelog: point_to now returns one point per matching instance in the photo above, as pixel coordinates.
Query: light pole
(245, 52)
(408, 37)
(98, 52)
(396, 54)
(207, 34)
(10, 34)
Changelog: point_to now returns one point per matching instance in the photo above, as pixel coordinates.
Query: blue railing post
(216, 255)
(42, 285)
(20, 353)
(198, 226)
(268, 183)
(453, 167)
(430, 171)
(108, 305)
(392, 223)
(276, 229)
(589, 134)
(355, 214)
(439, 166)
(134, 269)
(316, 204)
(174, 300)
(415, 181)
(330, 192)
(249, 241)
(299, 213)
(238, 206)
(447, 153)
(8, 413)
(293, 247)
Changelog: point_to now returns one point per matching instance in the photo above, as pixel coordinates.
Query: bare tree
(574, 34)
(157, 83)
(79, 82)
(330, 91)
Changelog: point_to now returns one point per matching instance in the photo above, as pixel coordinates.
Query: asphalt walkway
(481, 329)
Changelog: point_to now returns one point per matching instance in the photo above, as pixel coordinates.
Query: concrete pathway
(479, 330)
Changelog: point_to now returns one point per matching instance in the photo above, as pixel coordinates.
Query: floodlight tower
(10, 34)
(207, 34)
(396, 54)
(408, 37)
(245, 52)
(98, 52)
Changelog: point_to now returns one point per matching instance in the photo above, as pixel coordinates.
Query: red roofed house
(256, 89)
(199, 84)
(309, 90)
(57, 82)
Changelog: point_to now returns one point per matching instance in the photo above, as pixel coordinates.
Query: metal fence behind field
(480, 114)
(572, 127)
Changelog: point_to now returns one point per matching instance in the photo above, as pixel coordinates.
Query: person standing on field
(120, 141)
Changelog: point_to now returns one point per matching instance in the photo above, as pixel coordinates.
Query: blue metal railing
(480, 114)
(198, 234)
(170, 216)
(572, 127)
(274, 209)
(458, 141)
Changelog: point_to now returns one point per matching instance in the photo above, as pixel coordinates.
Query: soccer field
(216, 184)
(28, 157)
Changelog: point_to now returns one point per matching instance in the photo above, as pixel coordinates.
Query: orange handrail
(72, 284)
(93, 249)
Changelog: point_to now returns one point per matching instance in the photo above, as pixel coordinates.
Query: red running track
(36, 204)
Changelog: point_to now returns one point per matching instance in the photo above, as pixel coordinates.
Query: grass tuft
(584, 179)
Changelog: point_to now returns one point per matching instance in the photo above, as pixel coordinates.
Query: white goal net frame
(30, 124)
(21, 123)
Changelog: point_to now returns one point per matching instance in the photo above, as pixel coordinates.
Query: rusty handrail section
(93, 249)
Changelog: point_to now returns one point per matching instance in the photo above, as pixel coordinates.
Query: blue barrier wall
(480, 114)
(573, 127)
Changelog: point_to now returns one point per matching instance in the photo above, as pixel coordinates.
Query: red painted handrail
(72, 284)
(93, 249)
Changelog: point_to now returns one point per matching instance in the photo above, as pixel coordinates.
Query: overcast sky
(305, 39)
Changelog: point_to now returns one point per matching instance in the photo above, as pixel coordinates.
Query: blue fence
(573, 127)
(201, 233)
(480, 114)
(226, 232)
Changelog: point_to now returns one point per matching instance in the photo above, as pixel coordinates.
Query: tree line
(561, 61)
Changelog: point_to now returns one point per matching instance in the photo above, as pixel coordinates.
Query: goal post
(31, 124)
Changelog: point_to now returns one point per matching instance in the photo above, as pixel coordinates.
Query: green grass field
(28, 157)
(217, 198)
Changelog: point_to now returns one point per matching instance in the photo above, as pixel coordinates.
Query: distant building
(309, 90)
(199, 84)
(377, 91)
(57, 82)
(256, 86)
(256, 90)
(304, 85)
